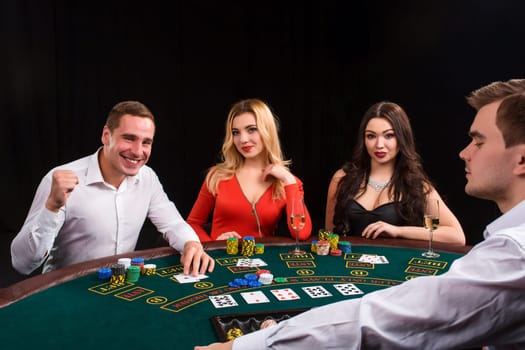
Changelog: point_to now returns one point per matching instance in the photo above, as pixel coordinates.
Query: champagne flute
(297, 221)
(431, 223)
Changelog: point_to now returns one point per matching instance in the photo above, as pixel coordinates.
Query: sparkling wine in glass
(431, 223)
(297, 221)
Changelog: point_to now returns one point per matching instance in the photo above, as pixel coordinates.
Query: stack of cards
(250, 262)
(373, 259)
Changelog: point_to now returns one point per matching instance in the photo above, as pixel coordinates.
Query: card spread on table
(250, 262)
(317, 292)
(285, 294)
(348, 289)
(182, 278)
(373, 259)
(224, 300)
(255, 297)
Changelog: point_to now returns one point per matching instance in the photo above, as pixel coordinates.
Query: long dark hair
(410, 184)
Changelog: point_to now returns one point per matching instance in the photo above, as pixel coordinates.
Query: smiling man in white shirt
(96, 206)
(479, 301)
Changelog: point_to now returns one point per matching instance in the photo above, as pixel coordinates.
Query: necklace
(378, 186)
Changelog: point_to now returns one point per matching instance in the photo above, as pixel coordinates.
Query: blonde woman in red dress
(247, 193)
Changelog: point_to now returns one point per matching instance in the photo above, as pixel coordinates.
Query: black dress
(358, 218)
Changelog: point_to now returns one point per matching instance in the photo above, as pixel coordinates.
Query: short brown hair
(510, 119)
(134, 108)
(495, 91)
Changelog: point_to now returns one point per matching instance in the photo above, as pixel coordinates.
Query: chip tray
(249, 322)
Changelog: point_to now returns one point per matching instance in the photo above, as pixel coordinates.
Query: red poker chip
(259, 272)
(336, 252)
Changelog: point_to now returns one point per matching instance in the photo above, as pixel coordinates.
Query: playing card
(317, 292)
(224, 300)
(285, 294)
(258, 262)
(348, 289)
(250, 262)
(255, 297)
(182, 278)
(373, 259)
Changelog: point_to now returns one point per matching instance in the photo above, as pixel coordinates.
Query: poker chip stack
(149, 269)
(232, 246)
(125, 261)
(259, 248)
(345, 247)
(266, 278)
(133, 273)
(253, 280)
(313, 246)
(336, 252)
(323, 234)
(233, 333)
(248, 246)
(104, 273)
(118, 274)
(323, 248)
(258, 273)
(249, 280)
(333, 239)
(138, 262)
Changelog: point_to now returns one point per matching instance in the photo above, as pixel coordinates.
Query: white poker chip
(266, 278)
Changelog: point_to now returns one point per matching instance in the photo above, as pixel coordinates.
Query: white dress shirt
(98, 219)
(479, 301)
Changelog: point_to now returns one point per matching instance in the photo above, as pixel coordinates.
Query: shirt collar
(513, 217)
(94, 174)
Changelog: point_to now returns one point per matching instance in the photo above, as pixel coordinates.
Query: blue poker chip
(254, 284)
(104, 273)
(251, 277)
(233, 284)
(240, 282)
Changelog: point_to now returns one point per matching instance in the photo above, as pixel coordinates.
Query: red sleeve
(200, 213)
(292, 191)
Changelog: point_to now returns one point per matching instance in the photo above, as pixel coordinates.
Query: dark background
(319, 64)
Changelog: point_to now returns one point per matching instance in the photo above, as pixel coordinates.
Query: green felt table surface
(157, 312)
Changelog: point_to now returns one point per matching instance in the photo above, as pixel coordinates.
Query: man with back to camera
(480, 300)
(96, 206)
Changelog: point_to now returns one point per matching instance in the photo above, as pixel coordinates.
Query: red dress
(233, 212)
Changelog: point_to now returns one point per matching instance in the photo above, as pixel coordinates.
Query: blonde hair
(232, 160)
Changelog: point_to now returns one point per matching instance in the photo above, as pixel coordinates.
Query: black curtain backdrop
(319, 65)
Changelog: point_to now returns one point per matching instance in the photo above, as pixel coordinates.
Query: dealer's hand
(195, 260)
(216, 346)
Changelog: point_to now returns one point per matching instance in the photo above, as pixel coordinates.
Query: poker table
(71, 308)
